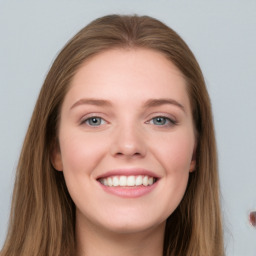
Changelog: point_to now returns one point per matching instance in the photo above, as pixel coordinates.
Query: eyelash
(93, 118)
(167, 121)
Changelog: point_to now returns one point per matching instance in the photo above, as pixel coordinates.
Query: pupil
(94, 121)
(160, 120)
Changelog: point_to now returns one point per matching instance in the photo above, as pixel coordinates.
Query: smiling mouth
(128, 181)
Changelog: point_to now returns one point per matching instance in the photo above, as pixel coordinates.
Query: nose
(128, 142)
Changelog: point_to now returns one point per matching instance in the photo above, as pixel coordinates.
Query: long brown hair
(42, 218)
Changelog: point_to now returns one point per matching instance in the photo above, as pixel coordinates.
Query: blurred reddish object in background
(252, 218)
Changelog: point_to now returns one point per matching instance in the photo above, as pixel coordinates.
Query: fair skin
(126, 120)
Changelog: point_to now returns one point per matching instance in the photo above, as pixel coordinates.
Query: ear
(193, 161)
(56, 159)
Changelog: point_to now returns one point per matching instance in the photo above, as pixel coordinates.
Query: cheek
(80, 153)
(175, 157)
(80, 157)
(176, 152)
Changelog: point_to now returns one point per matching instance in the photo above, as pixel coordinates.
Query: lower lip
(129, 192)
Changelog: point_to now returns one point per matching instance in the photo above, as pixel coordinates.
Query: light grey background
(222, 34)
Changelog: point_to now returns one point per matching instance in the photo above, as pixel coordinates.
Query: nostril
(127, 153)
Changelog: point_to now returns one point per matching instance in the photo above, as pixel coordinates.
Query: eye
(162, 121)
(94, 121)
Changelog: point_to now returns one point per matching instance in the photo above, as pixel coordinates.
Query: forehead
(142, 60)
(133, 73)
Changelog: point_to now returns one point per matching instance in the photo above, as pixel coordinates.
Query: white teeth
(127, 181)
(115, 181)
(145, 181)
(105, 182)
(122, 181)
(130, 181)
(138, 180)
(109, 182)
(150, 181)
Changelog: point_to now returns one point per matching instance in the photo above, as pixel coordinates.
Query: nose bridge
(128, 140)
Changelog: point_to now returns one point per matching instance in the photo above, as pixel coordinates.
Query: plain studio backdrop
(222, 35)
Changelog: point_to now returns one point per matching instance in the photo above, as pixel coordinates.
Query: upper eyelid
(169, 119)
(91, 115)
(162, 114)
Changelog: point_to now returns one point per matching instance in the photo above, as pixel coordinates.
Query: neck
(91, 241)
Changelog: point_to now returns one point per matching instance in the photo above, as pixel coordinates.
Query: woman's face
(126, 140)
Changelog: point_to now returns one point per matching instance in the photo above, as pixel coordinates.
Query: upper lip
(128, 172)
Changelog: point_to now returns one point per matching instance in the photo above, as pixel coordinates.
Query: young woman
(120, 155)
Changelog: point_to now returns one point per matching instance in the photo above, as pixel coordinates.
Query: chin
(132, 224)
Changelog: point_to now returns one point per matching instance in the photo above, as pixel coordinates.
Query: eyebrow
(149, 103)
(96, 102)
(159, 102)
